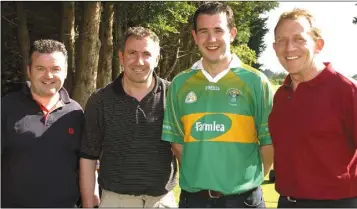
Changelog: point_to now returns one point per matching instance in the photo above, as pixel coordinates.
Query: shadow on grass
(265, 182)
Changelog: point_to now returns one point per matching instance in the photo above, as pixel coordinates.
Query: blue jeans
(251, 199)
(289, 202)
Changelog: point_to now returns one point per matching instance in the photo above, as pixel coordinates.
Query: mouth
(137, 70)
(212, 48)
(292, 58)
(48, 82)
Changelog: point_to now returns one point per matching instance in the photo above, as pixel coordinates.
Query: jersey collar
(235, 63)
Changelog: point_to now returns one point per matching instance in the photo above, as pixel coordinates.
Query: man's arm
(267, 153)
(177, 150)
(91, 149)
(87, 182)
(265, 100)
(172, 130)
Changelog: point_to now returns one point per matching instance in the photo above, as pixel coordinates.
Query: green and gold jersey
(221, 123)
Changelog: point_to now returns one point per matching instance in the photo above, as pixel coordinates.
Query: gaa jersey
(221, 123)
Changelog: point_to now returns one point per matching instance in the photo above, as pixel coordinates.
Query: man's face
(295, 47)
(139, 58)
(213, 37)
(47, 73)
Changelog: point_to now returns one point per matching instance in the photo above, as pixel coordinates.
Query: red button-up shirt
(314, 133)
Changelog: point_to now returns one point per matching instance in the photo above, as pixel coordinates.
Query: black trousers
(251, 199)
(290, 202)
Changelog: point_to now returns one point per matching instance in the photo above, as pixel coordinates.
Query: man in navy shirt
(40, 135)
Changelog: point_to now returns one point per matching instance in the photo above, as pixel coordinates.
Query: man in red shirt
(313, 122)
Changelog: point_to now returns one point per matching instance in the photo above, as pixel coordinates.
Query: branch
(10, 21)
(168, 73)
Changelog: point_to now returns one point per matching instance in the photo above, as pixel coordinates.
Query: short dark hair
(138, 32)
(47, 46)
(212, 8)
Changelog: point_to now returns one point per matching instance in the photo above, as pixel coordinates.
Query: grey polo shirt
(125, 135)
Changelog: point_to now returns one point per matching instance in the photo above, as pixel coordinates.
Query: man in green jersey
(216, 119)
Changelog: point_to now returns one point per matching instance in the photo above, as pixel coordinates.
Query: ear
(28, 71)
(157, 60)
(274, 46)
(233, 33)
(121, 57)
(66, 73)
(319, 45)
(193, 32)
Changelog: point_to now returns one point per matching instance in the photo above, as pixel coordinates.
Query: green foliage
(278, 78)
(171, 20)
(246, 54)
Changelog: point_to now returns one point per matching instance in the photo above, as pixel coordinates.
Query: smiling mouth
(138, 70)
(48, 82)
(212, 47)
(292, 58)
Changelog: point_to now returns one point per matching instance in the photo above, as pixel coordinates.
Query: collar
(64, 96)
(118, 86)
(325, 75)
(235, 63)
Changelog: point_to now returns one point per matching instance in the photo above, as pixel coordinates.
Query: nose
(140, 60)
(290, 45)
(48, 74)
(211, 37)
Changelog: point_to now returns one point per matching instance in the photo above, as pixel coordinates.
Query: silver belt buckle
(290, 199)
(211, 196)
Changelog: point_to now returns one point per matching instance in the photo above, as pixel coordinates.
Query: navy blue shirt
(39, 159)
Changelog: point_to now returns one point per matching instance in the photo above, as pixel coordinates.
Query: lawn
(275, 87)
(270, 195)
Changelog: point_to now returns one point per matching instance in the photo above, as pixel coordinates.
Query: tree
(106, 51)
(68, 38)
(355, 19)
(23, 35)
(170, 20)
(86, 73)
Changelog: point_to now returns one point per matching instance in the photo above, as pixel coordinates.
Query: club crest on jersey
(191, 97)
(232, 96)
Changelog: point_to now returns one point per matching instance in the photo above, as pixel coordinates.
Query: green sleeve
(264, 105)
(172, 130)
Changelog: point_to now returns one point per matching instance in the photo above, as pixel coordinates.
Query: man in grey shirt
(123, 125)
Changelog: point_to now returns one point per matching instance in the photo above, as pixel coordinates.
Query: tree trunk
(23, 37)
(120, 17)
(68, 38)
(106, 51)
(174, 62)
(86, 73)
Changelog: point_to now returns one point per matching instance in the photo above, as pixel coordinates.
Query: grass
(270, 195)
(275, 87)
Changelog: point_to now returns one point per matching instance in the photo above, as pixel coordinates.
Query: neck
(138, 90)
(306, 75)
(215, 68)
(48, 102)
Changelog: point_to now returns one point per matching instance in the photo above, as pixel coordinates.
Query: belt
(216, 194)
(211, 193)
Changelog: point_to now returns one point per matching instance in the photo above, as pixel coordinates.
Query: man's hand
(177, 150)
(87, 181)
(96, 200)
(267, 153)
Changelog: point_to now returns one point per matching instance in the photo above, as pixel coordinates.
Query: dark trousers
(251, 199)
(289, 202)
